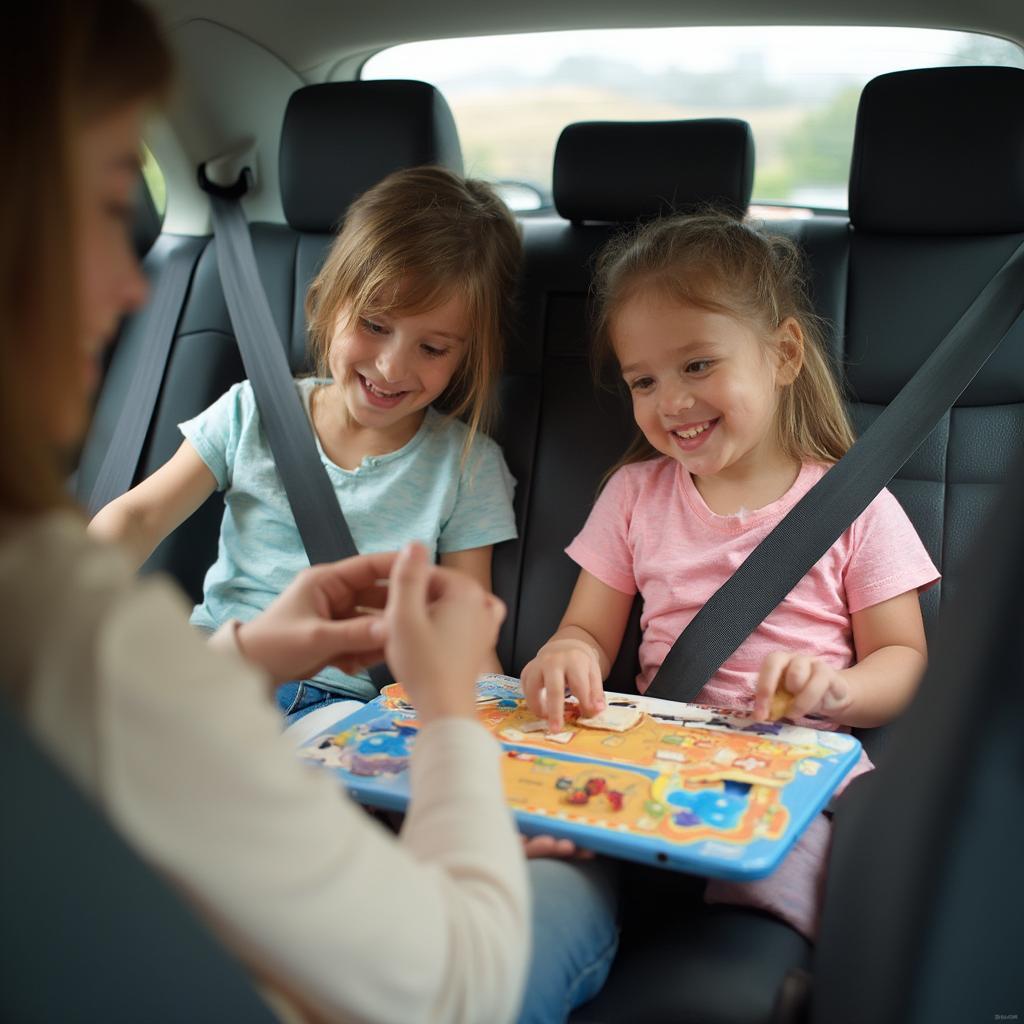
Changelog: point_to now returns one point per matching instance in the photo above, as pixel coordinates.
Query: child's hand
(815, 686)
(535, 847)
(561, 665)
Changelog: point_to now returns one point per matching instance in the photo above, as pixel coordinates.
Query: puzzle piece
(615, 718)
(559, 737)
(536, 725)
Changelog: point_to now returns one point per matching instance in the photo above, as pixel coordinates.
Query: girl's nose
(391, 363)
(676, 398)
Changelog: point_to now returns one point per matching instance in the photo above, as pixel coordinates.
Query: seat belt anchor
(218, 175)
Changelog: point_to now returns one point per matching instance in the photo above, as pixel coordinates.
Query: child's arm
(476, 563)
(142, 517)
(580, 655)
(891, 657)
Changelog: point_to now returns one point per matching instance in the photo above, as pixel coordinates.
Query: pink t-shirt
(650, 530)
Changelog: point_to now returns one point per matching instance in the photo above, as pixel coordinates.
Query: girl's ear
(789, 348)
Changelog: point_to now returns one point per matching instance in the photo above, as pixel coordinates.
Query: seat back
(88, 932)
(936, 208)
(923, 904)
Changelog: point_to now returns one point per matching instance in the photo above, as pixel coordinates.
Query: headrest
(628, 170)
(940, 151)
(341, 138)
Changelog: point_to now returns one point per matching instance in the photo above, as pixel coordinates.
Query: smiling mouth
(379, 394)
(692, 436)
(691, 432)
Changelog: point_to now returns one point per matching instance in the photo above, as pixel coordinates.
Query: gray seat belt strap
(121, 461)
(313, 500)
(814, 524)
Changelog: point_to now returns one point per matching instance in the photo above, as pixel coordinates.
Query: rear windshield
(798, 88)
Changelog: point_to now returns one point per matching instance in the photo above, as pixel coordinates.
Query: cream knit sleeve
(186, 754)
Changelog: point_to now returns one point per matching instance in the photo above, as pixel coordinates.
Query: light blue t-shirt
(419, 492)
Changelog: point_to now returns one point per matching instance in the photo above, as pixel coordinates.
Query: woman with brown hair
(104, 670)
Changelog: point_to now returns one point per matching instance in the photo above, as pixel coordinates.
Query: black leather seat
(923, 908)
(88, 931)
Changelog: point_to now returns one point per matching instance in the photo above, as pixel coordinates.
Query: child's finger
(767, 683)
(588, 690)
(531, 689)
(548, 846)
(554, 698)
(797, 673)
(597, 689)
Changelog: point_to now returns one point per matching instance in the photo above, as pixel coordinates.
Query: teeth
(377, 391)
(693, 431)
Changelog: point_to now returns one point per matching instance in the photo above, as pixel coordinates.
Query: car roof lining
(239, 61)
(311, 36)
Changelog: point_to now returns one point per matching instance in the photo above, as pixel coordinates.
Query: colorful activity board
(681, 785)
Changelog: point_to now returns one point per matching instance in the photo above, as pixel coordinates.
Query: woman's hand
(440, 625)
(563, 663)
(814, 686)
(313, 623)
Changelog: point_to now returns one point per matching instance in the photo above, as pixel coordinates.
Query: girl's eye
(433, 352)
(372, 326)
(698, 366)
(641, 384)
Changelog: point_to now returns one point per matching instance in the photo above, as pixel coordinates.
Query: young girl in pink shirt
(738, 415)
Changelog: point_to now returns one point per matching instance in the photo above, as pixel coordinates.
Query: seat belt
(161, 316)
(313, 500)
(822, 515)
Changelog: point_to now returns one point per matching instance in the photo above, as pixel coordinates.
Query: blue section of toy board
(369, 750)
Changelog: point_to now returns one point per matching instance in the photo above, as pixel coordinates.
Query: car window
(155, 182)
(798, 88)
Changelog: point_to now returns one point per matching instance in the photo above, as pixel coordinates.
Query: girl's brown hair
(715, 262)
(408, 245)
(66, 63)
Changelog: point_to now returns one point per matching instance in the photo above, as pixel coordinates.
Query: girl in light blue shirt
(407, 311)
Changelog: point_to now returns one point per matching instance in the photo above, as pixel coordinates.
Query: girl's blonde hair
(415, 240)
(715, 262)
(66, 64)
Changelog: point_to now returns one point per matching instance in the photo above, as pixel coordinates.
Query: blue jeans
(575, 935)
(297, 699)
